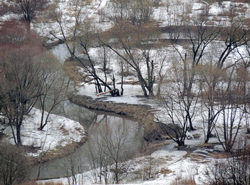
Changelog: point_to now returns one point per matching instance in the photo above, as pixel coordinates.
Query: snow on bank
(168, 166)
(130, 94)
(59, 131)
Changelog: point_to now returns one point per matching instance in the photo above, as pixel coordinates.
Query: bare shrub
(234, 169)
(184, 181)
(13, 165)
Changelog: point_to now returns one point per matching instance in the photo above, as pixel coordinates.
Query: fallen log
(105, 92)
(114, 92)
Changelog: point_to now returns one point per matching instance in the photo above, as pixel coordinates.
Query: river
(102, 128)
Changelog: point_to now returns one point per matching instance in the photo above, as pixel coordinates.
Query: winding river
(98, 124)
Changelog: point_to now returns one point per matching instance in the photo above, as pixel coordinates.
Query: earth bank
(141, 113)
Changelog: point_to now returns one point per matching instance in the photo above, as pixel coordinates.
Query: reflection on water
(106, 133)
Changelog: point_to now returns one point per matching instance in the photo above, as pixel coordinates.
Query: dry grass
(205, 145)
(187, 154)
(64, 131)
(184, 181)
(165, 171)
(220, 155)
(150, 148)
(37, 183)
(46, 183)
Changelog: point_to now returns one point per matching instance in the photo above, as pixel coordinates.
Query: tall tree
(28, 9)
(79, 39)
(199, 35)
(108, 148)
(21, 83)
(178, 107)
(13, 165)
(54, 87)
(209, 97)
(134, 44)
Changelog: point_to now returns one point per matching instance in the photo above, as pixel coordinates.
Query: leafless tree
(136, 12)
(242, 71)
(179, 106)
(175, 124)
(234, 168)
(209, 97)
(21, 84)
(13, 165)
(233, 36)
(28, 9)
(109, 150)
(54, 88)
(132, 45)
(79, 39)
(198, 35)
(69, 167)
(232, 114)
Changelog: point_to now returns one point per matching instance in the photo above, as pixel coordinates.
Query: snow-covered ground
(178, 164)
(59, 131)
(169, 164)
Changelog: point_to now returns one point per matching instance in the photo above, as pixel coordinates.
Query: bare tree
(234, 36)
(21, 83)
(13, 165)
(176, 123)
(120, 9)
(136, 12)
(54, 89)
(232, 114)
(180, 108)
(28, 9)
(133, 44)
(79, 38)
(242, 70)
(199, 35)
(209, 97)
(69, 167)
(109, 150)
(234, 169)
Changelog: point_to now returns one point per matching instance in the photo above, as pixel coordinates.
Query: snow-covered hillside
(167, 164)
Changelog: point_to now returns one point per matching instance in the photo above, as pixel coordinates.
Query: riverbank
(59, 137)
(58, 152)
(141, 113)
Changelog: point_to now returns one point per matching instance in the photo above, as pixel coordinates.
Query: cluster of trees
(109, 146)
(234, 168)
(29, 76)
(132, 28)
(209, 77)
(199, 77)
(208, 73)
(13, 165)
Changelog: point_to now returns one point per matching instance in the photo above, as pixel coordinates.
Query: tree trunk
(18, 135)
(180, 143)
(121, 80)
(208, 135)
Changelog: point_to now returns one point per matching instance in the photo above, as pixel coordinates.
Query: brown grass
(37, 183)
(205, 145)
(184, 181)
(221, 155)
(165, 171)
(47, 183)
(187, 154)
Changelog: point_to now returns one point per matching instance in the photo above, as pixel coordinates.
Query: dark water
(101, 127)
